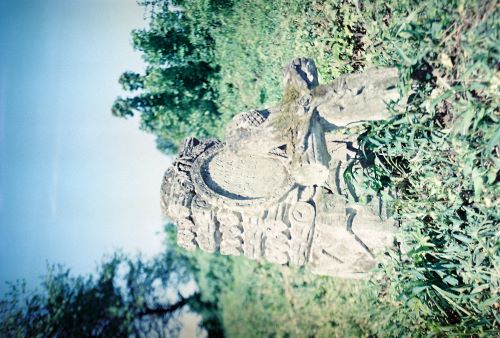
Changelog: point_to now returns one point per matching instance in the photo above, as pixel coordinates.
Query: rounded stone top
(223, 178)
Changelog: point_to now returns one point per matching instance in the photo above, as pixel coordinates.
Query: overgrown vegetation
(214, 59)
(127, 297)
(440, 156)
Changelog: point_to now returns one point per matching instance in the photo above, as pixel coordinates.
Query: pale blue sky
(75, 182)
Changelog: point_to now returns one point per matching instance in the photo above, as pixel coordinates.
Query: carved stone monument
(274, 189)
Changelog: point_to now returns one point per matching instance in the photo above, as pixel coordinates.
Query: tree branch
(161, 310)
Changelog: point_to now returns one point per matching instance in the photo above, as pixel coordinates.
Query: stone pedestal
(275, 191)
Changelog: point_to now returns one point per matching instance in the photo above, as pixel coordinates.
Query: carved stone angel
(262, 193)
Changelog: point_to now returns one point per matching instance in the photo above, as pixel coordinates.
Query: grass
(439, 158)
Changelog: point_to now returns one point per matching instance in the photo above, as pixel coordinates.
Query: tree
(175, 97)
(127, 297)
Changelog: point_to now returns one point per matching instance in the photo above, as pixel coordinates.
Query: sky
(76, 183)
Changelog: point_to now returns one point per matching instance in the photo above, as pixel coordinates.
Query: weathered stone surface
(275, 191)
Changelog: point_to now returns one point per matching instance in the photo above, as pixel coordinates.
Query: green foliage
(289, 302)
(127, 297)
(441, 158)
(69, 306)
(175, 96)
(214, 59)
(255, 39)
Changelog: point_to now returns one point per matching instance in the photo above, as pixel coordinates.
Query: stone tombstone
(274, 190)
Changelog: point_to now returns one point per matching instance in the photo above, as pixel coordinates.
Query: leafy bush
(441, 157)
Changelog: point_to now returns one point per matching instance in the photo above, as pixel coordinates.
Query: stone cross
(274, 189)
